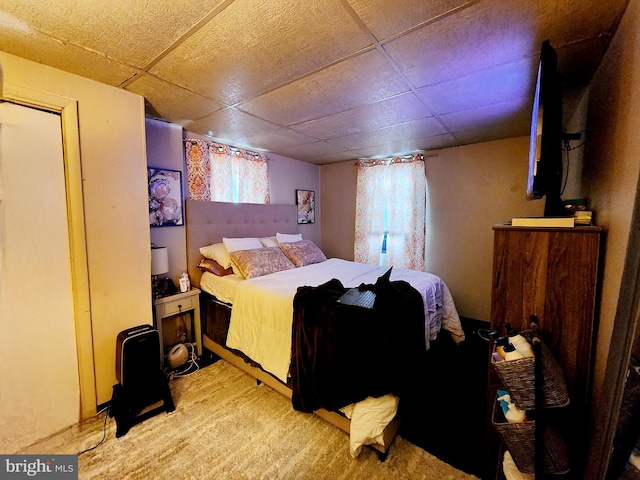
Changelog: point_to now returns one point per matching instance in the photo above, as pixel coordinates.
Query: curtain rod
(391, 157)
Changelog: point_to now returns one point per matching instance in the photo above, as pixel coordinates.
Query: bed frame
(207, 223)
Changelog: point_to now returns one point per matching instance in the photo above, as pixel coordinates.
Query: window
(221, 173)
(390, 212)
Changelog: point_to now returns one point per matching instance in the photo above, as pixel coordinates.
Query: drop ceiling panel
(360, 80)
(64, 56)
(497, 34)
(331, 158)
(327, 79)
(385, 18)
(408, 145)
(171, 102)
(230, 125)
(129, 32)
(313, 150)
(425, 127)
(254, 46)
(278, 140)
(400, 109)
(494, 85)
(515, 113)
(497, 132)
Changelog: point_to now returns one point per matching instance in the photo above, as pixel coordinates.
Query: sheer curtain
(221, 173)
(390, 199)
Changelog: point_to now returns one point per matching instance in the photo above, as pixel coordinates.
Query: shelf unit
(552, 274)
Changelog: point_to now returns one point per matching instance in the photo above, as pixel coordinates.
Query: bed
(241, 317)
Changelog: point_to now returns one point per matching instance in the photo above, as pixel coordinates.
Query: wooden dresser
(551, 273)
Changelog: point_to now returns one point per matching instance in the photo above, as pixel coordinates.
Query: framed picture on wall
(306, 202)
(165, 197)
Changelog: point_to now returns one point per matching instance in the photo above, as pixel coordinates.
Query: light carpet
(227, 427)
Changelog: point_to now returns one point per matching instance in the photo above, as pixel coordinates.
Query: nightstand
(172, 305)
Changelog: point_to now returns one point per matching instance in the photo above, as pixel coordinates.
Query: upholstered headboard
(208, 222)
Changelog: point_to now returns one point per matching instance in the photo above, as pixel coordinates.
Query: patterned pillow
(259, 261)
(302, 253)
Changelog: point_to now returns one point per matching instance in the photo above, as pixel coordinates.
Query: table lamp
(159, 266)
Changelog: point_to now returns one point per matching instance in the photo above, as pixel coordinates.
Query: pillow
(260, 261)
(269, 241)
(288, 237)
(235, 244)
(217, 252)
(302, 253)
(208, 265)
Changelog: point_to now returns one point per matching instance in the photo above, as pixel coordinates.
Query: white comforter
(262, 315)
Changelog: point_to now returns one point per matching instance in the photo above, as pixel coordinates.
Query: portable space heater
(141, 380)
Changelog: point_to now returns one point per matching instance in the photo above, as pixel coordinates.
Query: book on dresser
(543, 222)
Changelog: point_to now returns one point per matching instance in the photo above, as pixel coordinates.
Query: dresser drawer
(176, 306)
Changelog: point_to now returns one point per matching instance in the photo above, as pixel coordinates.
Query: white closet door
(39, 386)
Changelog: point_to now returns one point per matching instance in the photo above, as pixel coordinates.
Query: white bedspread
(262, 314)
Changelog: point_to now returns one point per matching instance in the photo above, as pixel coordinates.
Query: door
(39, 384)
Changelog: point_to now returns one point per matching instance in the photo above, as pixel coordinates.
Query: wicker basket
(518, 377)
(519, 439)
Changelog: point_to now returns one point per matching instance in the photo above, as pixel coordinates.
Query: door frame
(67, 108)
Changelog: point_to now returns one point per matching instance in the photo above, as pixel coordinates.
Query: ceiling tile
(497, 33)
(407, 146)
(316, 80)
(64, 56)
(515, 113)
(494, 85)
(388, 18)
(254, 46)
(366, 78)
(310, 150)
(279, 140)
(425, 127)
(494, 132)
(399, 109)
(332, 158)
(129, 32)
(229, 125)
(171, 102)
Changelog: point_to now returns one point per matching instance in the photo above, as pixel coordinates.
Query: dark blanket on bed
(342, 354)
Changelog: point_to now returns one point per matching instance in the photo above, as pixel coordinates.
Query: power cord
(104, 431)
(188, 368)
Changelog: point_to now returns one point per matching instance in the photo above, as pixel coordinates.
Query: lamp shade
(159, 261)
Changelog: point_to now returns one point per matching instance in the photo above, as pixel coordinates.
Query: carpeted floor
(227, 427)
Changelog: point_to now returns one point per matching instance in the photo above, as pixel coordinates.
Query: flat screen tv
(545, 142)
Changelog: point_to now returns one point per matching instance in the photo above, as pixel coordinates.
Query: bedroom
(118, 235)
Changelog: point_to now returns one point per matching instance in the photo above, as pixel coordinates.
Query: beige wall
(469, 189)
(611, 170)
(112, 151)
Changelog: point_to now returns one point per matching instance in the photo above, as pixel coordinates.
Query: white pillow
(288, 237)
(235, 244)
(217, 252)
(268, 242)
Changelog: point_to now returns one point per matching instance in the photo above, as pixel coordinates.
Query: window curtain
(220, 173)
(391, 198)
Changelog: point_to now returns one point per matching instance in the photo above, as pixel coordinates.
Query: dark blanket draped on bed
(342, 354)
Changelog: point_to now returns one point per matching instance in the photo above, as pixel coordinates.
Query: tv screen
(545, 141)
